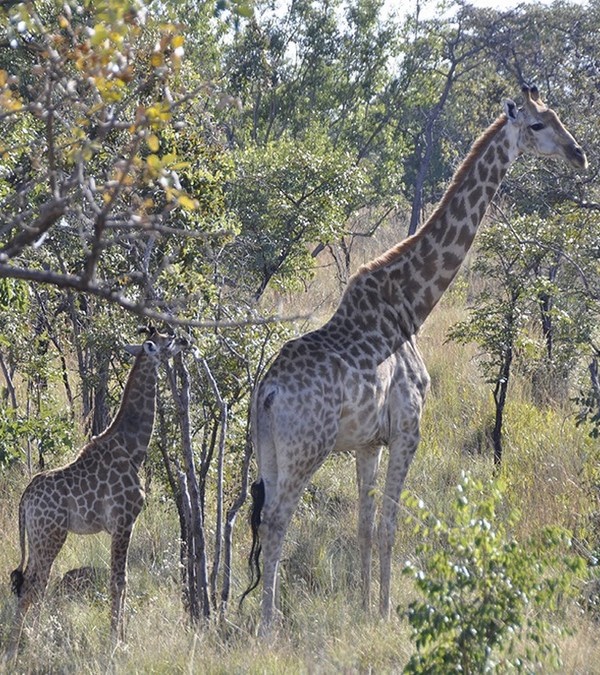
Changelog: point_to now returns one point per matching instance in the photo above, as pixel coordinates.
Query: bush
(485, 596)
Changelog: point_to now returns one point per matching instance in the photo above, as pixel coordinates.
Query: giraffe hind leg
(30, 585)
(400, 457)
(277, 515)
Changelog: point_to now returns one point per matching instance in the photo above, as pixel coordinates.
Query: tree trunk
(173, 478)
(179, 381)
(427, 153)
(214, 575)
(500, 392)
(595, 380)
(10, 387)
(229, 523)
(100, 414)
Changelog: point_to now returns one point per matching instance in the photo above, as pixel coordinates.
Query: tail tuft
(16, 581)
(258, 500)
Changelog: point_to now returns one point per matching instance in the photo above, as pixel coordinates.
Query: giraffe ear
(150, 347)
(511, 110)
(134, 350)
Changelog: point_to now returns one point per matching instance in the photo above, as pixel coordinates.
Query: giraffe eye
(538, 126)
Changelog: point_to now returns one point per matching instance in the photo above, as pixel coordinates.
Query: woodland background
(224, 167)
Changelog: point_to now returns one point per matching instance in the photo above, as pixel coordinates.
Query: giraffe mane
(398, 250)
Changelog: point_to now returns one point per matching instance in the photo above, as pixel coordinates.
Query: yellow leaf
(63, 22)
(99, 34)
(154, 162)
(153, 142)
(179, 165)
(187, 203)
(177, 41)
(157, 59)
(3, 77)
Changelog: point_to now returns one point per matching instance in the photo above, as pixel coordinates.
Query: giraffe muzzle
(577, 158)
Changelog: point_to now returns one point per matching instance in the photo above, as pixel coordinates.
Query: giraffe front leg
(367, 465)
(402, 451)
(118, 581)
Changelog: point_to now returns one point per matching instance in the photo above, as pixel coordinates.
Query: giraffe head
(540, 131)
(158, 345)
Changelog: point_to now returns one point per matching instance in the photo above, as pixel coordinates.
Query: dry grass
(323, 629)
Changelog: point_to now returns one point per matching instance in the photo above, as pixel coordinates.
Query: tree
(536, 305)
(320, 107)
(112, 190)
(98, 188)
(497, 319)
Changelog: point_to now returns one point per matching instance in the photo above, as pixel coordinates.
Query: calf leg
(30, 587)
(118, 581)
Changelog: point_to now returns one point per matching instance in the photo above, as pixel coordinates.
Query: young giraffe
(99, 490)
(359, 381)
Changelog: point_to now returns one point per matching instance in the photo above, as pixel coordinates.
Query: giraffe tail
(258, 499)
(16, 576)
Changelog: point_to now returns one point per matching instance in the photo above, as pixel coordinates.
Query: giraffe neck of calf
(134, 420)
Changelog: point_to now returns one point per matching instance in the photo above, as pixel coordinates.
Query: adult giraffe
(99, 490)
(359, 382)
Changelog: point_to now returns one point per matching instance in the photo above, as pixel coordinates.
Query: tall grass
(548, 463)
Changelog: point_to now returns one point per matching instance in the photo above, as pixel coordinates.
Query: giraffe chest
(383, 402)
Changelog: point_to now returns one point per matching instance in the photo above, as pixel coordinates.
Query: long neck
(135, 418)
(413, 275)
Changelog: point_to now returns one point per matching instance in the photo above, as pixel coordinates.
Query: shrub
(485, 596)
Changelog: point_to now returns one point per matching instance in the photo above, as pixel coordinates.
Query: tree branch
(50, 212)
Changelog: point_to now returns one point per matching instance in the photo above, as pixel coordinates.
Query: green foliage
(485, 595)
(111, 164)
(14, 295)
(493, 327)
(588, 401)
(50, 433)
(287, 194)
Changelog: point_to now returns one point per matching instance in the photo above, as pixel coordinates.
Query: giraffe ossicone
(99, 490)
(359, 382)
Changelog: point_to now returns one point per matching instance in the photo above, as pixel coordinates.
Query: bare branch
(50, 212)
(138, 308)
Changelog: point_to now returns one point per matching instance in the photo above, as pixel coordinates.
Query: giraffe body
(359, 382)
(99, 490)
